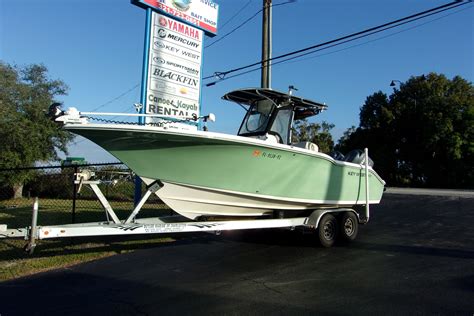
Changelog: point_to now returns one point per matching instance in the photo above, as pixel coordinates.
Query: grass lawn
(56, 253)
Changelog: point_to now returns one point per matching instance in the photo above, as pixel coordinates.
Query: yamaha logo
(162, 21)
(181, 5)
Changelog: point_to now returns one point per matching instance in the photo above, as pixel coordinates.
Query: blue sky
(96, 47)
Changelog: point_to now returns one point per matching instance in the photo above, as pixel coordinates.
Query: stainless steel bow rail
(323, 221)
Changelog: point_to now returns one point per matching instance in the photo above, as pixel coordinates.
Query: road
(415, 257)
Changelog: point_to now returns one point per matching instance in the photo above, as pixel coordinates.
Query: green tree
(320, 134)
(28, 136)
(423, 134)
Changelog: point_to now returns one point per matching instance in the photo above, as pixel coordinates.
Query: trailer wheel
(349, 226)
(327, 230)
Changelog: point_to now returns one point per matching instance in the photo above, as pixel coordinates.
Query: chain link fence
(57, 193)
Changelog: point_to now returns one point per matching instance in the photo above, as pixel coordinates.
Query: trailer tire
(327, 230)
(349, 226)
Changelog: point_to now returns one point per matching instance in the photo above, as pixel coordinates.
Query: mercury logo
(162, 33)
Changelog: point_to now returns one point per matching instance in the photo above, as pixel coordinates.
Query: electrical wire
(368, 34)
(245, 22)
(289, 60)
(376, 39)
(116, 98)
(236, 14)
(109, 102)
(223, 75)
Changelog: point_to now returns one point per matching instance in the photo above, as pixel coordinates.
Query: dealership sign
(174, 68)
(202, 14)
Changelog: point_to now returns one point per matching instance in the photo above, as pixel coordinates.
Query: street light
(393, 84)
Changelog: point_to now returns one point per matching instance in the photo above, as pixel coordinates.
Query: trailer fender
(315, 217)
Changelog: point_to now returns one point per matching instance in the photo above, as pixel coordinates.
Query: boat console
(270, 113)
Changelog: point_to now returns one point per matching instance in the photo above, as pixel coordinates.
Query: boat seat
(306, 145)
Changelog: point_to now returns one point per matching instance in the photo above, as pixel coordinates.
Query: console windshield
(282, 125)
(257, 118)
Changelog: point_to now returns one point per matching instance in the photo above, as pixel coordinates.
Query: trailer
(327, 223)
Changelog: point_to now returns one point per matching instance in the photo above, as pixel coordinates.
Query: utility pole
(266, 44)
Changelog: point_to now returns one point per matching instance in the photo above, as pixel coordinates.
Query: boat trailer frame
(158, 225)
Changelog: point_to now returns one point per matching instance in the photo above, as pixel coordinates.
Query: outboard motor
(337, 155)
(358, 156)
(55, 111)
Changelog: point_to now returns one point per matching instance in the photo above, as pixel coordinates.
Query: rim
(349, 227)
(329, 230)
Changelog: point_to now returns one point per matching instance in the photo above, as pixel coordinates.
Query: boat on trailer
(256, 179)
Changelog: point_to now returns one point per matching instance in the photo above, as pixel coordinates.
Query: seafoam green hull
(236, 164)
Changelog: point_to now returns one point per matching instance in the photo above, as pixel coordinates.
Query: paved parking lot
(416, 256)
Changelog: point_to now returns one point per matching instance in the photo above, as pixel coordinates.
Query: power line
(223, 74)
(116, 98)
(236, 14)
(347, 38)
(245, 22)
(374, 40)
(368, 34)
(233, 30)
(108, 102)
(346, 48)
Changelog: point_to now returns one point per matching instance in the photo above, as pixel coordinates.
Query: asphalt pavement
(415, 257)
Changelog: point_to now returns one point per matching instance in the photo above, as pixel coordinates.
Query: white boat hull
(193, 202)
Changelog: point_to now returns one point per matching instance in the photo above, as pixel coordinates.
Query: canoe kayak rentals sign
(202, 14)
(174, 68)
